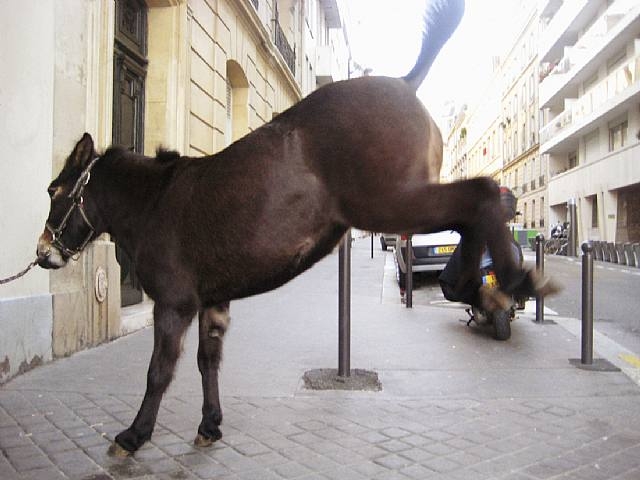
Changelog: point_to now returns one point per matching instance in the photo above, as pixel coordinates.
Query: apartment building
(472, 137)
(589, 54)
(191, 75)
(522, 169)
(497, 134)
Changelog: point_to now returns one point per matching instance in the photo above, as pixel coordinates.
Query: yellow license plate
(490, 280)
(445, 250)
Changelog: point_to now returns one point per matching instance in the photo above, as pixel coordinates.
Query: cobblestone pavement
(326, 436)
(455, 403)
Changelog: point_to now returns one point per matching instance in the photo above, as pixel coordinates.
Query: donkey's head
(69, 227)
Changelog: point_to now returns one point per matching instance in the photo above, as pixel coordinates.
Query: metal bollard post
(372, 234)
(344, 306)
(409, 263)
(540, 271)
(587, 304)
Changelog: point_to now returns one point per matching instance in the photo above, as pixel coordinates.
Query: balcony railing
(614, 84)
(283, 46)
(553, 76)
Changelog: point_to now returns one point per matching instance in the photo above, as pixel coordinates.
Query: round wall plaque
(101, 284)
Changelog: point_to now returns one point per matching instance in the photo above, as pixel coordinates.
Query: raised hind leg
(170, 325)
(213, 323)
(472, 207)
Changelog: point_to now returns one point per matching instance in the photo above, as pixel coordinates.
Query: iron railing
(283, 46)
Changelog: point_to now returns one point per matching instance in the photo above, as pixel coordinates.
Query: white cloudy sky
(385, 36)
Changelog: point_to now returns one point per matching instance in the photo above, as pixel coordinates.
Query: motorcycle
(500, 320)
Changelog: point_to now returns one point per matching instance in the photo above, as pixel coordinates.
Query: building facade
(569, 119)
(523, 171)
(589, 53)
(191, 75)
(497, 134)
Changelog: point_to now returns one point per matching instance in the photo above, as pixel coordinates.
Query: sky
(385, 36)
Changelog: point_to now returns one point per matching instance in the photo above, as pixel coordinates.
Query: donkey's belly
(268, 269)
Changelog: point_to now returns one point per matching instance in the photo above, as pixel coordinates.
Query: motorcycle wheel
(501, 325)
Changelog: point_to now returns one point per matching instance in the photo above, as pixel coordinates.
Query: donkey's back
(275, 202)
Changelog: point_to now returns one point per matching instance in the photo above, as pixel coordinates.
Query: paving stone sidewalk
(455, 403)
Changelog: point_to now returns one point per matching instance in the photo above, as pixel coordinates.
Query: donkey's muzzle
(49, 256)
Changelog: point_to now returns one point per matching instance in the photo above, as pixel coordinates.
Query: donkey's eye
(52, 191)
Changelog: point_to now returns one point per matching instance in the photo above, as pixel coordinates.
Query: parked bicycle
(559, 241)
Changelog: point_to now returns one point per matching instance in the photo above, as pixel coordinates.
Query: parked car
(431, 252)
(387, 240)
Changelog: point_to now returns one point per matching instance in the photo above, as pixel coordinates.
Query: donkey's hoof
(493, 299)
(115, 450)
(207, 438)
(202, 441)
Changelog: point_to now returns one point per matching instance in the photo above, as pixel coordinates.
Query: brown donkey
(205, 231)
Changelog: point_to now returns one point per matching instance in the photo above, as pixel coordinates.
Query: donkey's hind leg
(169, 327)
(213, 325)
(473, 208)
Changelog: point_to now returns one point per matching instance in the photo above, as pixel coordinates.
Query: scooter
(500, 320)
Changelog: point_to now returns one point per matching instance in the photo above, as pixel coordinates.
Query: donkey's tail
(441, 18)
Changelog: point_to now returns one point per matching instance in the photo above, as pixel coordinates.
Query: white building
(589, 53)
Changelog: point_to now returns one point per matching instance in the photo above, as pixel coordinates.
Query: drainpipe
(573, 227)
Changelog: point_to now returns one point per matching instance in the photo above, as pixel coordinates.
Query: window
(573, 160)
(533, 214)
(533, 129)
(590, 82)
(618, 136)
(594, 211)
(616, 60)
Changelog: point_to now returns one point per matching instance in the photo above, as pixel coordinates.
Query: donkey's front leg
(169, 327)
(213, 324)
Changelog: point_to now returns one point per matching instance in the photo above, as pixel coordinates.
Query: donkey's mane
(118, 153)
(166, 156)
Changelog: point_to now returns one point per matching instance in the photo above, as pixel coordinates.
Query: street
(615, 297)
(616, 300)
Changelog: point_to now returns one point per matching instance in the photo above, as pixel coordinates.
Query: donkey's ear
(83, 152)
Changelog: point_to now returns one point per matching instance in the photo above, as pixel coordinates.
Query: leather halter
(78, 203)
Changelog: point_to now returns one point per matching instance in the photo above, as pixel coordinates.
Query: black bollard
(372, 234)
(344, 306)
(540, 271)
(586, 361)
(409, 263)
(587, 304)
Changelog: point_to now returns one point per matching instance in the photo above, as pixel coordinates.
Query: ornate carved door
(130, 66)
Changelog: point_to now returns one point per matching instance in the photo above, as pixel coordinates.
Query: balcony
(331, 13)
(282, 44)
(327, 67)
(607, 98)
(604, 38)
(616, 170)
(563, 26)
